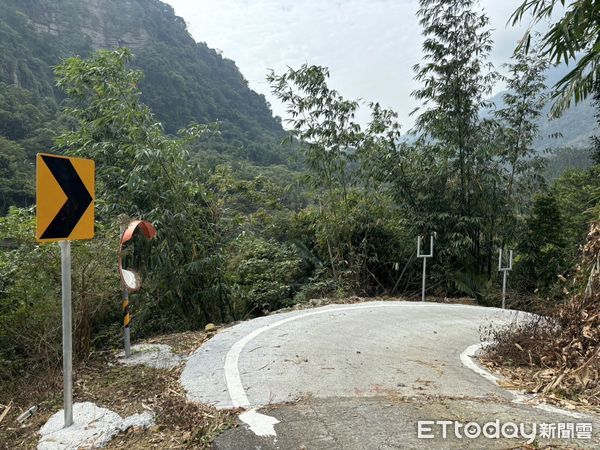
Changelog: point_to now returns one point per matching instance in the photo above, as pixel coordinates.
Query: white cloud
(369, 46)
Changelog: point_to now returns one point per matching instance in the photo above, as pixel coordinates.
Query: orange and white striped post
(126, 322)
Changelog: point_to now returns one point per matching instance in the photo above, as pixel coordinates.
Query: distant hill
(562, 159)
(184, 81)
(576, 125)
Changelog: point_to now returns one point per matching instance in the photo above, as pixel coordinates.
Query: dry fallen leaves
(559, 355)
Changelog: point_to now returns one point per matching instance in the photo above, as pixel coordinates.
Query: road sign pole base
(127, 340)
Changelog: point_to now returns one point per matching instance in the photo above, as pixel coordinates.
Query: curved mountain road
(351, 355)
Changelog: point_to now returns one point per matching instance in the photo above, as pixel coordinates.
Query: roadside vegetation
(126, 390)
(557, 354)
(237, 239)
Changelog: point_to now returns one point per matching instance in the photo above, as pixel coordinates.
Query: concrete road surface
(361, 375)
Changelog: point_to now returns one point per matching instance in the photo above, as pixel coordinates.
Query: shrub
(263, 275)
(30, 295)
(562, 348)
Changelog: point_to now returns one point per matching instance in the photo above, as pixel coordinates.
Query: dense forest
(251, 218)
(184, 82)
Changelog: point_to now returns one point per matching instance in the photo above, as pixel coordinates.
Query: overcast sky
(369, 46)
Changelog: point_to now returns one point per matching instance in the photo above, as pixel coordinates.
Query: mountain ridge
(185, 81)
(574, 128)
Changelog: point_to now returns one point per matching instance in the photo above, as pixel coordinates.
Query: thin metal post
(126, 322)
(424, 256)
(504, 289)
(65, 259)
(504, 270)
(424, 275)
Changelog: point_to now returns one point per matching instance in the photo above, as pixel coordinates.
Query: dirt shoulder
(531, 380)
(125, 390)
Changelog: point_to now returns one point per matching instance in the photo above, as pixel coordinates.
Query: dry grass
(558, 355)
(183, 344)
(125, 390)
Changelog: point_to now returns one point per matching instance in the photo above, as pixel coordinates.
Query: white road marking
(260, 424)
(263, 423)
(521, 397)
(466, 358)
(235, 387)
(554, 409)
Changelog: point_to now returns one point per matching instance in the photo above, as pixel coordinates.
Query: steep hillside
(574, 128)
(562, 159)
(184, 81)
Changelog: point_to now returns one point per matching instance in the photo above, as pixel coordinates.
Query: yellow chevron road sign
(64, 198)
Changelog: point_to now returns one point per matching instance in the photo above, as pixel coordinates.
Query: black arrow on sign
(78, 198)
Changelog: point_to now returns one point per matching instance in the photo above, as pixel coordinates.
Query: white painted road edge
(260, 424)
(263, 425)
(521, 397)
(466, 358)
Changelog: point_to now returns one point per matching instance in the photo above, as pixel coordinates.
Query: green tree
(30, 286)
(142, 173)
(573, 37)
(578, 194)
(263, 274)
(456, 78)
(542, 250)
(516, 133)
(16, 176)
(341, 157)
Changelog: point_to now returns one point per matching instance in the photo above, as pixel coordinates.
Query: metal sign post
(65, 260)
(504, 271)
(65, 213)
(424, 256)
